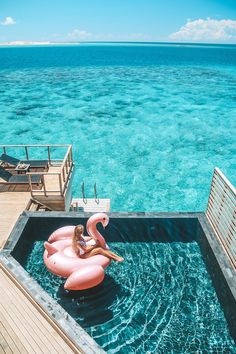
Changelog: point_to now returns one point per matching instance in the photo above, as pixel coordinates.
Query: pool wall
(221, 271)
(190, 226)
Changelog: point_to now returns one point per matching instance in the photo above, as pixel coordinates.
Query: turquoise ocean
(148, 122)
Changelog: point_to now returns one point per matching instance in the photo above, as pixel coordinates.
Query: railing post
(60, 183)
(4, 150)
(49, 155)
(44, 187)
(71, 158)
(63, 174)
(30, 184)
(26, 153)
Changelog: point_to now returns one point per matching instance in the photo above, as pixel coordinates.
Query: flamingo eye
(104, 219)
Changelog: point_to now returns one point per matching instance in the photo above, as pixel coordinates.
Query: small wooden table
(19, 169)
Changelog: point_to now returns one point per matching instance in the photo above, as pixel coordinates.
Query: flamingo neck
(93, 231)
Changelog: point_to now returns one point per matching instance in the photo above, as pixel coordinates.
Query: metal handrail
(83, 194)
(95, 193)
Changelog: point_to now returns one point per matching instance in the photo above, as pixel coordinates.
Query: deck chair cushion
(9, 159)
(5, 174)
(23, 179)
(18, 179)
(34, 163)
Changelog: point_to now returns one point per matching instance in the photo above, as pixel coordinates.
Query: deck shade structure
(221, 213)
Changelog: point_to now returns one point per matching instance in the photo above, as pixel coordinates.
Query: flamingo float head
(98, 217)
(92, 229)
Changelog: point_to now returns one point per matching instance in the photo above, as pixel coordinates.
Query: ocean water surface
(148, 123)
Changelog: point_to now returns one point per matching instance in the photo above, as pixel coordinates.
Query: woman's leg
(106, 253)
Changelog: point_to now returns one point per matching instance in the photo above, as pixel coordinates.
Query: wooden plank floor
(13, 202)
(52, 181)
(11, 206)
(23, 329)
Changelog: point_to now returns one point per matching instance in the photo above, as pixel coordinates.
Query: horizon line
(45, 42)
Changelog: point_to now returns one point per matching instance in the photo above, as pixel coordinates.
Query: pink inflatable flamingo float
(60, 258)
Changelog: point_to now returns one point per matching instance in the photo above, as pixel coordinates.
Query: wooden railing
(221, 213)
(27, 148)
(67, 163)
(62, 176)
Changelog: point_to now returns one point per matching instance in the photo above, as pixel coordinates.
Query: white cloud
(79, 34)
(8, 21)
(206, 30)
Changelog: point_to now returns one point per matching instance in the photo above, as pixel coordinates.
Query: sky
(209, 21)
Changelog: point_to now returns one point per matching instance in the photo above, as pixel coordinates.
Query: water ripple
(159, 120)
(160, 300)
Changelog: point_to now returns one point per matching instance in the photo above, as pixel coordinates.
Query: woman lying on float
(80, 259)
(79, 245)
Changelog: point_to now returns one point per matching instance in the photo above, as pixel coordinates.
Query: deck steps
(90, 205)
(36, 205)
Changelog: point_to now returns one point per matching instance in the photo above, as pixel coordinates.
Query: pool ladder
(96, 199)
(93, 205)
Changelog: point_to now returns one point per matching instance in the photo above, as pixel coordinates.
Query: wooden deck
(13, 202)
(23, 328)
(24, 325)
(11, 206)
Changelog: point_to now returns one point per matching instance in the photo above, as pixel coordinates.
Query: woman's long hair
(79, 229)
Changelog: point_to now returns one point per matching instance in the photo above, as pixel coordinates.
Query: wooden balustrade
(221, 213)
(26, 148)
(61, 177)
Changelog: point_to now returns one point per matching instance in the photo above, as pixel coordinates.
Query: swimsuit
(83, 244)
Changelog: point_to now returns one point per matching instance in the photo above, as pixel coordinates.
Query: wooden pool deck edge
(66, 345)
(13, 204)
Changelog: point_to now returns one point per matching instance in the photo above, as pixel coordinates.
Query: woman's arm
(76, 247)
(87, 238)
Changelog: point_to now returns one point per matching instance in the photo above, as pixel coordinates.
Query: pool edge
(65, 322)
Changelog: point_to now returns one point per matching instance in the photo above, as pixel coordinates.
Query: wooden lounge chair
(9, 178)
(8, 160)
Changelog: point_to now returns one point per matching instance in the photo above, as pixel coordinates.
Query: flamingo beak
(105, 222)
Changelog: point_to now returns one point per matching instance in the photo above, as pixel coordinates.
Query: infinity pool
(160, 300)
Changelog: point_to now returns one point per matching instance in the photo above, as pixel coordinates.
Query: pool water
(160, 300)
(148, 123)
